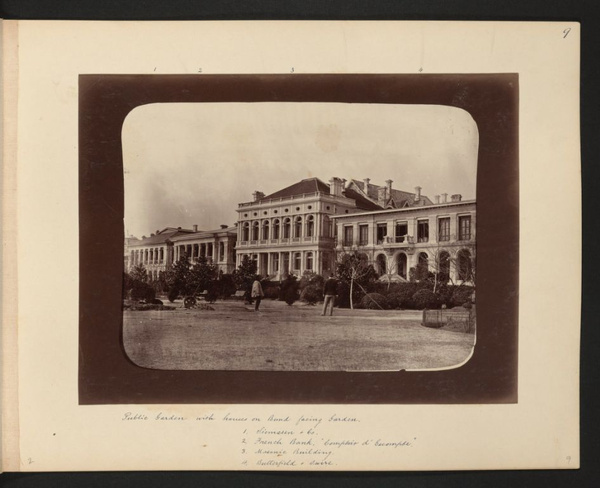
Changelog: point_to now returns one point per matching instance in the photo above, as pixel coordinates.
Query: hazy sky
(191, 164)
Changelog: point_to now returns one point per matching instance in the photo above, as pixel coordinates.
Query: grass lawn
(284, 338)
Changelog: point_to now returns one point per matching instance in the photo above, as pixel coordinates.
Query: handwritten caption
(300, 441)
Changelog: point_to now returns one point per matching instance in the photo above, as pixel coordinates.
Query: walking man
(330, 292)
(257, 294)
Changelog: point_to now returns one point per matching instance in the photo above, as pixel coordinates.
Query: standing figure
(257, 294)
(330, 292)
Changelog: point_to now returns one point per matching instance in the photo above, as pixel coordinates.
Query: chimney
(224, 226)
(195, 227)
(437, 199)
(457, 197)
(389, 187)
(335, 186)
(152, 235)
(417, 193)
(366, 185)
(444, 198)
(381, 196)
(157, 231)
(258, 195)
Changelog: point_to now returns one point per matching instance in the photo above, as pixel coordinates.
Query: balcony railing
(286, 241)
(282, 199)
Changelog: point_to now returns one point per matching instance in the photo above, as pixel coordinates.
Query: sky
(192, 163)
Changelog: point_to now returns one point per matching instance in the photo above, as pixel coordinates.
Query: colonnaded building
(307, 225)
(164, 247)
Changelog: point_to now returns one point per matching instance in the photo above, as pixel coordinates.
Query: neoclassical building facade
(291, 231)
(439, 236)
(309, 224)
(164, 247)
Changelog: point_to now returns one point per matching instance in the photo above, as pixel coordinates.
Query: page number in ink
(566, 32)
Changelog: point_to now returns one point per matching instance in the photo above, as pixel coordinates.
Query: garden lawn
(289, 338)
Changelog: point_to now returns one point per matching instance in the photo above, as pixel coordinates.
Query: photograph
(315, 238)
(299, 236)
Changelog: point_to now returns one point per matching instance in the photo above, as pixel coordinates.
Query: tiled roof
(361, 202)
(161, 237)
(309, 185)
(401, 198)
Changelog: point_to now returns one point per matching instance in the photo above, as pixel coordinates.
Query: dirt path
(283, 338)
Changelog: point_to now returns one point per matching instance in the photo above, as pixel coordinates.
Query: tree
(245, 274)
(202, 276)
(177, 277)
(139, 273)
(354, 269)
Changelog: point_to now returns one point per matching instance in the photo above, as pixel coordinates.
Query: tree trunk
(351, 292)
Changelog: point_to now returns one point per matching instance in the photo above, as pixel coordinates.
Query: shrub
(402, 296)
(289, 290)
(173, 293)
(271, 292)
(312, 294)
(425, 298)
(212, 293)
(461, 295)
(374, 301)
(226, 286)
(142, 291)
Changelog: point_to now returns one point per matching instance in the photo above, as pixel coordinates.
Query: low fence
(463, 318)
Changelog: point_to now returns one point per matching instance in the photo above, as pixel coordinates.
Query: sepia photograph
(299, 236)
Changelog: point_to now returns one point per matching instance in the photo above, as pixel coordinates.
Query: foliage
(402, 296)
(289, 290)
(374, 301)
(312, 294)
(461, 295)
(225, 285)
(173, 294)
(425, 298)
(202, 276)
(142, 291)
(354, 270)
(177, 277)
(245, 274)
(311, 278)
(271, 291)
(139, 273)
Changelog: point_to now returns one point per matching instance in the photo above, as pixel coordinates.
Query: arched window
(286, 228)
(444, 263)
(276, 229)
(246, 232)
(297, 260)
(310, 226)
(381, 264)
(309, 261)
(464, 265)
(298, 227)
(255, 231)
(265, 230)
(401, 264)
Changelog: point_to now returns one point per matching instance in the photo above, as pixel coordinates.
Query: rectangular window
(381, 233)
(464, 228)
(363, 231)
(444, 229)
(221, 251)
(297, 261)
(348, 236)
(423, 231)
(401, 231)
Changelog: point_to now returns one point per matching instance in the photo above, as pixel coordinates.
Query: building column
(355, 236)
